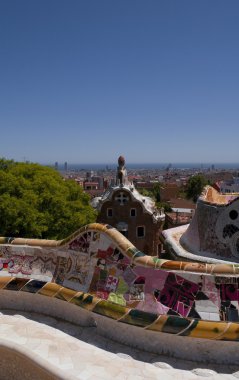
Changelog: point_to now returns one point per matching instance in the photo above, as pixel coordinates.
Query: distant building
(182, 211)
(65, 167)
(134, 215)
(230, 186)
(56, 165)
(89, 175)
(218, 176)
(91, 185)
(100, 181)
(181, 203)
(178, 217)
(79, 182)
(94, 185)
(169, 191)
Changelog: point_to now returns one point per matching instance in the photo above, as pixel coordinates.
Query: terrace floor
(63, 350)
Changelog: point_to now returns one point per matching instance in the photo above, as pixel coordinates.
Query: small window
(109, 212)
(133, 212)
(140, 231)
(122, 198)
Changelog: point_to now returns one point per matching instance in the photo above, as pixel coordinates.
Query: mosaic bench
(99, 270)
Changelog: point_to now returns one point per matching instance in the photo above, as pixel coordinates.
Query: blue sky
(86, 81)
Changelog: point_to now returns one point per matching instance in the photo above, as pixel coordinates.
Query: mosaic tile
(139, 318)
(110, 310)
(122, 287)
(117, 298)
(33, 286)
(129, 276)
(16, 284)
(49, 289)
(4, 281)
(65, 294)
(86, 301)
(175, 325)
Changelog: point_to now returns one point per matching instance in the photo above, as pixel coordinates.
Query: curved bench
(99, 270)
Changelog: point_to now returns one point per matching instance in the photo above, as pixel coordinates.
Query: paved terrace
(41, 350)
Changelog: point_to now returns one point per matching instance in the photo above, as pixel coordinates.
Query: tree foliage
(145, 192)
(165, 205)
(195, 186)
(35, 201)
(154, 192)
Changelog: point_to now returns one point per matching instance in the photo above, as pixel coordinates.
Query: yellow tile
(209, 330)
(50, 289)
(158, 324)
(66, 294)
(4, 281)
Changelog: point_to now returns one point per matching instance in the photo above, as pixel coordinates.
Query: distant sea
(147, 166)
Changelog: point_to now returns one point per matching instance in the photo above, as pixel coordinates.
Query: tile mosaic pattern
(99, 270)
(171, 324)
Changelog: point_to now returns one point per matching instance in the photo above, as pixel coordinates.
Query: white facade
(230, 186)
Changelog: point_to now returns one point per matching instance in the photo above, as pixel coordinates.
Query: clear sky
(84, 81)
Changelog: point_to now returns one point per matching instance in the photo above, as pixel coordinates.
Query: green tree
(156, 192)
(145, 192)
(166, 206)
(195, 186)
(35, 201)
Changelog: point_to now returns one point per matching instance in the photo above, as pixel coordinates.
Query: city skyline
(85, 82)
(141, 165)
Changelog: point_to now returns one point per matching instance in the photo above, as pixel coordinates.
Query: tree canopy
(155, 194)
(35, 201)
(195, 186)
